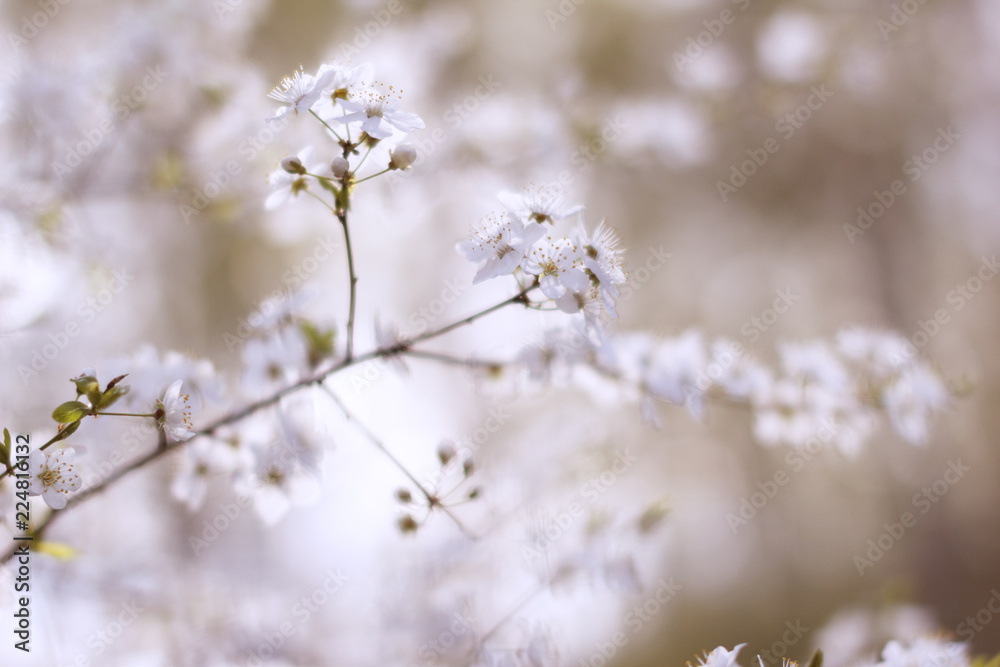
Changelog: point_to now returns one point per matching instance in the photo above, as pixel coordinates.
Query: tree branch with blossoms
(833, 391)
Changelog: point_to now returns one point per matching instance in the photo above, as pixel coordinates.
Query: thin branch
(432, 500)
(164, 447)
(342, 216)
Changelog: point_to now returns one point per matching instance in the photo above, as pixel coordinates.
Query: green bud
(655, 513)
(69, 412)
(5, 449)
(87, 385)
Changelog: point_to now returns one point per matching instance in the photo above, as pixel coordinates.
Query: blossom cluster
(923, 651)
(579, 271)
(344, 97)
(831, 392)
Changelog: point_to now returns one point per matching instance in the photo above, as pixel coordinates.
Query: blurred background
(842, 154)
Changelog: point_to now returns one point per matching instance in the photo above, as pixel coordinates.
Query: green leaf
(5, 449)
(66, 432)
(320, 342)
(70, 412)
(328, 185)
(112, 394)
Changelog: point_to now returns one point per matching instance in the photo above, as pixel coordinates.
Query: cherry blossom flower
(602, 255)
(500, 243)
(720, 657)
(559, 266)
(538, 203)
(377, 108)
(52, 476)
(174, 412)
(301, 91)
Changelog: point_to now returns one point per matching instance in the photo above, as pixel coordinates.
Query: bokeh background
(643, 108)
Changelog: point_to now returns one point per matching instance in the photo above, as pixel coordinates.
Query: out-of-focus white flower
(910, 400)
(925, 651)
(675, 371)
(377, 108)
(52, 476)
(284, 473)
(201, 460)
(814, 360)
(285, 184)
(559, 348)
(273, 361)
(300, 91)
(174, 412)
(881, 352)
(499, 242)
(558, 263)
(538, 203)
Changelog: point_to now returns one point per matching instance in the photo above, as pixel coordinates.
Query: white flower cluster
(820, 392)
(341, 96)
(579, 272)
(921, 652)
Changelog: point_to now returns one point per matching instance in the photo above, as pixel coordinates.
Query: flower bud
(446, 452)
(339, 166)
(407, 524)
(402, 156)
(404, 495)
(293, 165)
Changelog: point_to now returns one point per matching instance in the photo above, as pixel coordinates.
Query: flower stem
(326, 125)
(371, 176)
(432, 500)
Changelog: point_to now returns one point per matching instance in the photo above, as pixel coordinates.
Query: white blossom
(376, 107)
(499, 244)
(52, 476)
(174, 412)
